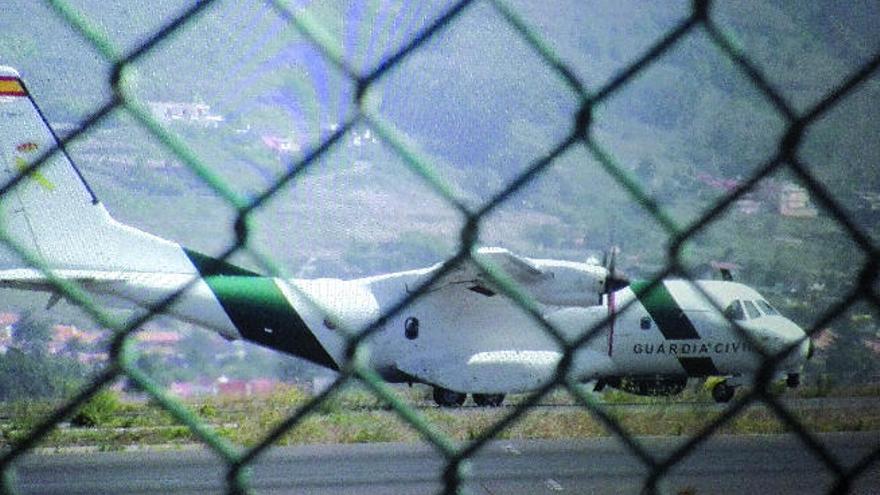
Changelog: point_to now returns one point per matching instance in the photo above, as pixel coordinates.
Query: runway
(725, 464)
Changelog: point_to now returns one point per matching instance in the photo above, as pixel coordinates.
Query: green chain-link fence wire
(121, 362)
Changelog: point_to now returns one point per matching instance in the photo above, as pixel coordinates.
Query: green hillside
(483, 106)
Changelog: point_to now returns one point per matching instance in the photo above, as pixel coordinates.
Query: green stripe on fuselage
(672, 322)
(259, 309)
(207, 265)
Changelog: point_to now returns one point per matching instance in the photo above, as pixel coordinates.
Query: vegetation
(29, 372)
(100, 410)
(355, 416)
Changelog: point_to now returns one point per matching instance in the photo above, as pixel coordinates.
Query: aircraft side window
(735, 311)
(411, 328)
(646, 323)
(751, 309)
(766, 308)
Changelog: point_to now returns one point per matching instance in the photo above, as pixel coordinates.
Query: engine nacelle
(653, 386)
(567, 283)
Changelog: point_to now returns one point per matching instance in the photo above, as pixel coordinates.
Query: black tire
(793, 380)
(488, 400)
(448, 398)
(722, 392)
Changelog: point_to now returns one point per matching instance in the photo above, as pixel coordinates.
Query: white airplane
(461, 336)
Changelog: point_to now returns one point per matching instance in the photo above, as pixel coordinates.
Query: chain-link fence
(581, 124)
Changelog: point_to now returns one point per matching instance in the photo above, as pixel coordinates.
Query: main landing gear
(450, 398)
(722, 392)
(488, 400)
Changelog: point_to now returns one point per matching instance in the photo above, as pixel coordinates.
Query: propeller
(614, 281)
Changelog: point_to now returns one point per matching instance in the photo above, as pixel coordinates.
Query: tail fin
(52, 212)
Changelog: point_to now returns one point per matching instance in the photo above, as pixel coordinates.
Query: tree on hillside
(849, 360)
(31, 334)
(28, 371)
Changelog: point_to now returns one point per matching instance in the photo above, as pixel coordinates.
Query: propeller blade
(614, 280)
(612, 263)
(611, 317)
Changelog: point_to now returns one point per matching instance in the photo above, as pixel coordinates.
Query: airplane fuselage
(672, 331)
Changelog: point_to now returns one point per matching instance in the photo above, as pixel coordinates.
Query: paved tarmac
(726, 464)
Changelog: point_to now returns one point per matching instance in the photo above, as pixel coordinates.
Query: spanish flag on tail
(10, 85)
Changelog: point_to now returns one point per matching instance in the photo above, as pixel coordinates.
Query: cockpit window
(766, 308)
(735, 311)
(752, 310)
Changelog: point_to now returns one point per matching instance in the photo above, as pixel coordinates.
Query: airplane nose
(793, 335)
(782, 335)
(805, 350)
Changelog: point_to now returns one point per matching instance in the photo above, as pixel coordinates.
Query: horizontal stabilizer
(32, 279)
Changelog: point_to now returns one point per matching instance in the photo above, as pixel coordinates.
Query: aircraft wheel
(448, 398)
(488, 400)
(722, 392)
(793, 380)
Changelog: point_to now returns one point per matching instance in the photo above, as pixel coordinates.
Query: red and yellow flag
(11, 86)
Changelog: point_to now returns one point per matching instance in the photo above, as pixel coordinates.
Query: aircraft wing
(500, 371)
(468, 274)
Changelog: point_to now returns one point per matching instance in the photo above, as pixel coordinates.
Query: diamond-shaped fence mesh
(786, 158)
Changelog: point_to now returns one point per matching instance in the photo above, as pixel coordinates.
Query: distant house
(185, 113)
(244, 388)
(714, 269)
(280, 145)
(63, 335)
(724, 265)
(5, 339)
(748, 206)
(794, 201)
(158, 337)
(873, 344)
(7, 321)
(231, 388)
(201, 387)
(92, 357)
(871, 200)
(363, 138)
(824, 339)
(155, 163)
(158, 341)
(262, 386)
(720, 183)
